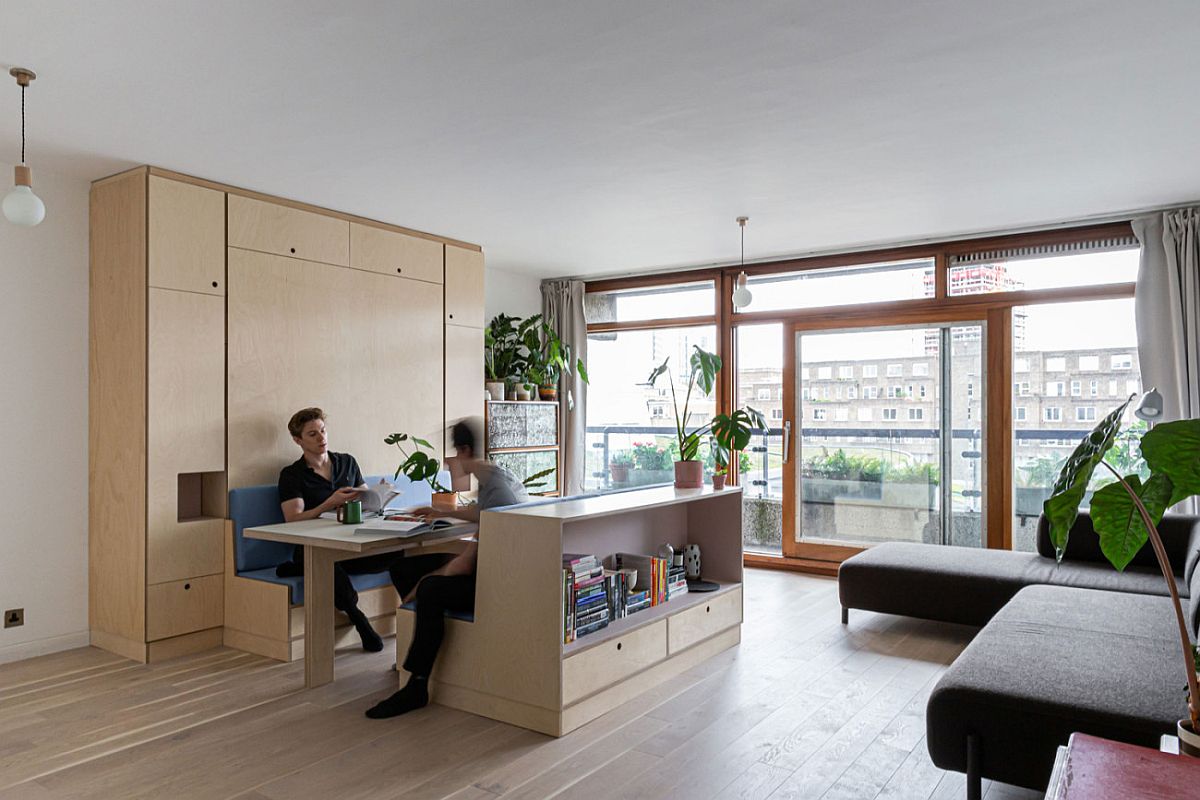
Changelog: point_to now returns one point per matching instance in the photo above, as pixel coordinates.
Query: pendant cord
(22, 124)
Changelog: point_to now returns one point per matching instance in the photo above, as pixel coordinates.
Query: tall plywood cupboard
(198, 354)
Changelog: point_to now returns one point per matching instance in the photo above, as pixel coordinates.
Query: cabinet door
(464, 375)
(464, 287)
(395, 253)
(286, 231)
(186, 237)
(185, 434)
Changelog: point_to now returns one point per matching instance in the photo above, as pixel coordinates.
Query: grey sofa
(1065, 647)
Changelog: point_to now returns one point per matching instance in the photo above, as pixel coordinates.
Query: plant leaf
(582, 370)
(1062, 507)
(1117, 521)
(422, 443)
(689, 447)
(704, 366)
(657, 371)
(1173, 449)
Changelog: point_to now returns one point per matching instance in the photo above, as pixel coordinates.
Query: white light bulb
(742, 297)
(22, 207)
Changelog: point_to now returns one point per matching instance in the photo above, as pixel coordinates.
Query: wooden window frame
(995, 309)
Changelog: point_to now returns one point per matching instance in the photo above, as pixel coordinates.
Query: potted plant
(1125, 514)
(422, 466)
(504, 353)
(730, 433)
(703, 367)
(619, 467)
(547, 359)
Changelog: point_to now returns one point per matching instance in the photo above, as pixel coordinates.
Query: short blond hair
(303, 417)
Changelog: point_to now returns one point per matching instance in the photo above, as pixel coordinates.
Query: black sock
(371, 641)
(414, 695)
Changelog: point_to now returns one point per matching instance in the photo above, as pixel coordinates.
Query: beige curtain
(562, 308)
(1167, 307)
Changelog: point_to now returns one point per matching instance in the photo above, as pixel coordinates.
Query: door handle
(787, 439)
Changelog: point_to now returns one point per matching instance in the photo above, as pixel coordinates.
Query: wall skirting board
(43, 647)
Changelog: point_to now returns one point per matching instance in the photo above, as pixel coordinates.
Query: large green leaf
(1173, 449)
(705, 366)
(1116, 519)
(689, 447)
(1062, 507)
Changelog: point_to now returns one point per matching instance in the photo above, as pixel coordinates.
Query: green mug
(350, 512)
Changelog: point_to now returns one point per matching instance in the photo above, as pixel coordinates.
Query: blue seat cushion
(465, 616)
(295, 583)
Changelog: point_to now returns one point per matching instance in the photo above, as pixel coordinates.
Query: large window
(630, 425)
(696, 299)
(1096, 339)
(1103, 262)
(836, 286)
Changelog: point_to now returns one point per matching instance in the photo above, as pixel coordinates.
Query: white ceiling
(584, 138)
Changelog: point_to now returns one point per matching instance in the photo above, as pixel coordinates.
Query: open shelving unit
(511, 664)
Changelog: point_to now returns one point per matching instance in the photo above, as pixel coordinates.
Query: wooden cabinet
(286, 231)
(186, 237)
(158, 400)
(612, 661)
(464, 287)
(395, 253)
(702, 621)
(464, 375)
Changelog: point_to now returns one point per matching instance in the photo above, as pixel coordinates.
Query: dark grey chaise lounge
(1070, 647)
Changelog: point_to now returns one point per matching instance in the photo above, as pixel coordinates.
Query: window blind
(1106, 245)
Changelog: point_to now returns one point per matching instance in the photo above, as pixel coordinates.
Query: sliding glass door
(890, 437)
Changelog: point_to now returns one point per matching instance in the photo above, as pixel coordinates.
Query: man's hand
(425, 513)
(340, 498)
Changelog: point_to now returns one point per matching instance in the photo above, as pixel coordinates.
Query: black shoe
(410, 698)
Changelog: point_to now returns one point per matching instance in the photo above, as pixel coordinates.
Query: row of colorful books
(593, 596)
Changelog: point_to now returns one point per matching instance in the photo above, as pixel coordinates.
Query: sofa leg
(974, 779)
(845, 616)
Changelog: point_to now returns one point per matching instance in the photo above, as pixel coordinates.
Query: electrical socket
(14, 617)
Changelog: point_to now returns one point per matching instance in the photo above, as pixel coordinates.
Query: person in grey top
(450, 587)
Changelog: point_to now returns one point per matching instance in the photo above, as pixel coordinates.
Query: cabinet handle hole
(618, 645)
(187, 586)
(707, 609)
(399, 271)
(293, 249)
(451, 316)
(214, 284)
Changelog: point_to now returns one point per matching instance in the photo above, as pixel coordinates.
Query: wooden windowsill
(806, 565)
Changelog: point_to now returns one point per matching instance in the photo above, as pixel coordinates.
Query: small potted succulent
(734, 429)
(419, 465)
(619, 466)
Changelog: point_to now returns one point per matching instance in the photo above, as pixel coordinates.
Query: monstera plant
(729, 431)
(1125, 514)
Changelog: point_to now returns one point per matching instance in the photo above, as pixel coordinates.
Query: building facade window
(1085, 414)
(1123, 361)
(915, 414)
(889, 414)
(1076, 388)
(870, 371)
(1052, 414)
(865, 415)
(846, 373)
(819, 414)
(1055, 389)
(1089, 363)
(920, 370)
(1019, 413)
(1020, 365)
(1056, 364)
(895, 370)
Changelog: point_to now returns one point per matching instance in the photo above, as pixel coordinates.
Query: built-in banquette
(215, 313)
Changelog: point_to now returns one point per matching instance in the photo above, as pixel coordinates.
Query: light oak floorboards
(803, 708)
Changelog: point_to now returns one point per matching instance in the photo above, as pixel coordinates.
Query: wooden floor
(804, 708)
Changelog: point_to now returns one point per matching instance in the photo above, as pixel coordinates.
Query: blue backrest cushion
(251, 506)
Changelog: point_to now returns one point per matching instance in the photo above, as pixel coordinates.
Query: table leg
(318, 616)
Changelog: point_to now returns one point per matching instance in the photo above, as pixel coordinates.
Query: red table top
(1097, 769)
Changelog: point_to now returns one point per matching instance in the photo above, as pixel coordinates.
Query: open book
(402, 525)
(376, 497)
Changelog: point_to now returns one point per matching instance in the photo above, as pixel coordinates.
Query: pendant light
(741, 295)
(21, 206)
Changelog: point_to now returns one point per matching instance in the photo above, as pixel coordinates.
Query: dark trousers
(436, 595)
(345, 597)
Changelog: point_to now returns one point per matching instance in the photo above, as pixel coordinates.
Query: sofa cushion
(1083, 545)
(1053, 661)
(295, 583)
(969, 585)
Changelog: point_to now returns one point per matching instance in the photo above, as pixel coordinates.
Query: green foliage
(535, 481)
(653, 456)
(732, 432)
(868, 469)
(1173, 449)
(1062, 507)
(621, 458)
(703, 368)
(1118, 522)
(1041, 472)
(417, 465)
(505, 355)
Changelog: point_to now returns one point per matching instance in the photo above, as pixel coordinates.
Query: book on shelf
(651, 573)
(587, 596)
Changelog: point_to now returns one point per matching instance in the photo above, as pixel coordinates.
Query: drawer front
(700, 622)
(613, 661)
(180, 607)
(272, 228)
(393, 253)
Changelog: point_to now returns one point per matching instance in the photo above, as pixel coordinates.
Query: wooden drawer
(272, 228)
(394, 253)
(186, 237)
(464, 287)
(616, 659)
(702, 621)
(181, 607)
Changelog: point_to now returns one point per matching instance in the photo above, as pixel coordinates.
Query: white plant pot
(495, 389)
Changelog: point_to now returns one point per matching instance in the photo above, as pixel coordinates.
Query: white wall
(511, 293)
(43, 419)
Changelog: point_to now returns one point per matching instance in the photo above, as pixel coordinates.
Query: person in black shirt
(321, 481)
